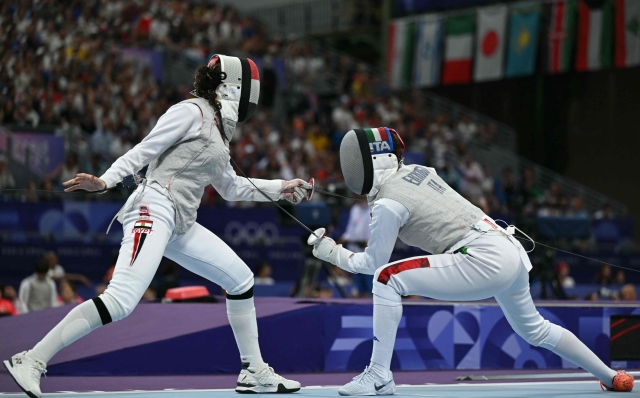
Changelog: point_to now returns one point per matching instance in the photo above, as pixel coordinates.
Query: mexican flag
(627, 33)
(458, 49)
(399, 53)
(595, 31)
(490, 43)
(560, 37)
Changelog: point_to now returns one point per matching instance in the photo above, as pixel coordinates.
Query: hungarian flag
(523, 40)
(427, 56)
(458, 50)
(490, 44)
(399, 53)
(595, 33)
(627, 33)
(561, 32)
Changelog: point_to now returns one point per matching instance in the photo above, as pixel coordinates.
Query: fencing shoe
(369, 383)
(265, 381)
(621, 382)
(26, 373)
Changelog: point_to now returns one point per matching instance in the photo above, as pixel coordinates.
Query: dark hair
(42, 267)
(71, 284)
(260, 266)
(397, 147)
(206, 81)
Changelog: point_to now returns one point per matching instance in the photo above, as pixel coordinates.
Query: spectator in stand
(9, 293)
(473, 176)
(628, 293)
(263, 274)
(6, 179)
(603, 276)
(38, 291)
(620, 278)
(57, 273)
(606, 213)
(343, 117)
(6, 306)
(466, 128)
(529, 190)
(68, 293)
(68, 170)
(554, 202)
(576, 210)
(562, 271)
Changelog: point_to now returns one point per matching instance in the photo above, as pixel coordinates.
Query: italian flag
(595, 31)
(399, 53)
(561, 30)
(627, 33)
(458, 50)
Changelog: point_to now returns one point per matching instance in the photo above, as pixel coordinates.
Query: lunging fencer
(187, 150)
(473, 258)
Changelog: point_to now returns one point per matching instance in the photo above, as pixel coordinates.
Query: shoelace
(364, 376)
(37, 369)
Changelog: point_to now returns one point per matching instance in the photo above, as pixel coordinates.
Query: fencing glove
(326, 249)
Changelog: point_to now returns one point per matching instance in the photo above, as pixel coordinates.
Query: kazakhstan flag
(523, 40)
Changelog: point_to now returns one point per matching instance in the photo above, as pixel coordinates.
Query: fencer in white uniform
(473, 257)
(187, 150)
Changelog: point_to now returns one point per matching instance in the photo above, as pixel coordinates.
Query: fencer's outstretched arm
(387, 216)
(180, 123)
(235, 188)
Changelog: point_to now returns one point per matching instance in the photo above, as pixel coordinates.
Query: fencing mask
(239, 91)
(364, 150)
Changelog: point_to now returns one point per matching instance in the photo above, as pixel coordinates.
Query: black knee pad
(246, 295)
(105, 317)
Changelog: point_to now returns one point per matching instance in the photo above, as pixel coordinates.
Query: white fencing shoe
(265, 381)
(26, 373)
(368, 383)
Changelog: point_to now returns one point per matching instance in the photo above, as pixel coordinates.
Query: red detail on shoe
(621, 382)
(393, 269)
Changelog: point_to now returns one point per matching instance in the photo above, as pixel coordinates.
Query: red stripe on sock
(394, 269)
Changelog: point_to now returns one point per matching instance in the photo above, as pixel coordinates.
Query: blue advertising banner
(41, 153)
(146, 58)
(459, 337)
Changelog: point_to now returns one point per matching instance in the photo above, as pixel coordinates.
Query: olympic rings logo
(251, 233)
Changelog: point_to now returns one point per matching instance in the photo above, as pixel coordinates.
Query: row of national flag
(494, 42)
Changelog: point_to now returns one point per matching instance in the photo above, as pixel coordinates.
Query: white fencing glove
(326, 249)
(295, 190)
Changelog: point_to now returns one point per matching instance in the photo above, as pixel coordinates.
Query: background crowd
(61, 66)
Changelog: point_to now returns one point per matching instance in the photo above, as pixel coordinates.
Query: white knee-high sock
(242, 317)
(572, 349)
(79, 322)
(386, 318)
